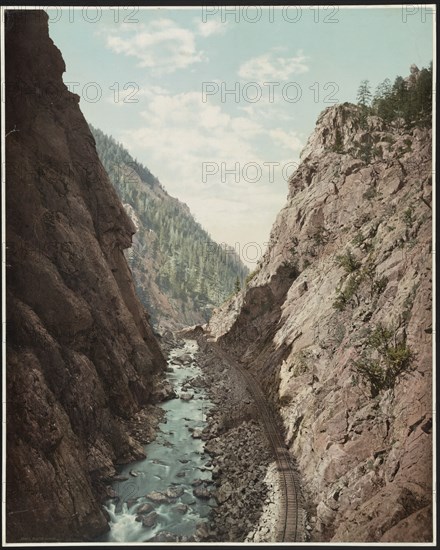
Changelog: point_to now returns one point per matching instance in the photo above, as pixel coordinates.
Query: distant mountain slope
(181, 274)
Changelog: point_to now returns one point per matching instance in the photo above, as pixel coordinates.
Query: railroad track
(290, 527)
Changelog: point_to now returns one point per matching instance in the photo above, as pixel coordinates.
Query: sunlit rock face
(346, 285)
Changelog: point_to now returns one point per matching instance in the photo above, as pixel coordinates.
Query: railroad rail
(290, 525)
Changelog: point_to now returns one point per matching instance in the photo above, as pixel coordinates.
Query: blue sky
(153, 78)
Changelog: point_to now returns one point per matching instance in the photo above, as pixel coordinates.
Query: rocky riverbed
(208, 474)
(241, 456)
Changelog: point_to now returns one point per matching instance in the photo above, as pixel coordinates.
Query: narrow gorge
(157, 392)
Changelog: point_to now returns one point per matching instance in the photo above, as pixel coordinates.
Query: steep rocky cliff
(336, 324)
(80, 351)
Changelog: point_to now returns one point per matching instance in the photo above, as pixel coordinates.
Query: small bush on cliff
(384, 360)
(320, 236)
(348, 261)
(357, 277)
(377, 152)
(358, 239)
(408, 217)
(370, 193)
(292, 268)
(338, 146)
(237, 285)
(365, 152)
(340, 302)
(345, 296)
(379, 285)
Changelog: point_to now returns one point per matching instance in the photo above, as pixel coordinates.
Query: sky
(218, 102)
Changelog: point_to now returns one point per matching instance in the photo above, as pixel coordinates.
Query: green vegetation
(295, 243)
(408, 144)
(408, 217)
(364, 93)
(370, 193)
(306, 263)
(348, 293)
(237, 286)
(188, 265)
(348, 261)
(360, 240)
(379, 285)
(384, 360)
(320, 236)
(338, 146)
(364, 151)
(336, 334)
(408, 99)
(300, 364)
(291, 266)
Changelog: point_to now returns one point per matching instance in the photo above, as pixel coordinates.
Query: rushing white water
(174, 460)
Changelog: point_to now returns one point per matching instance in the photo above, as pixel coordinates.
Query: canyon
(319, 368)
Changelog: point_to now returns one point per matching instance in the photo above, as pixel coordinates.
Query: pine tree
(189, 265)
(237, 285)
(409, 99)
(364, 94)
(381, 101)
(338, 146)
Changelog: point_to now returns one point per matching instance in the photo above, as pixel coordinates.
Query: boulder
(197, 433)
(202, 493)
(150, 520)
(157, 496)
(181, 508)
(224, 493)
(186, 396)
(174, 492)
(144, 509)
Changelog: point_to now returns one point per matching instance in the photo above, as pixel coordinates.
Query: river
(172, 471)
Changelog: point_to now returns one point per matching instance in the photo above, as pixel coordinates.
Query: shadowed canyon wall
(81, 355)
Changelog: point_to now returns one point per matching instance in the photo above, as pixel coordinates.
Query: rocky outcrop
(80, 350)
(336, 324)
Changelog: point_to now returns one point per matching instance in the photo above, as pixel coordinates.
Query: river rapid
(166, 496)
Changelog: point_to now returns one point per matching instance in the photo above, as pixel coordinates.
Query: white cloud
(288, 140)
(181, 134)
(272, 67)
(209, 28)
(184, 124)
(131, 94)
(162, 46)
